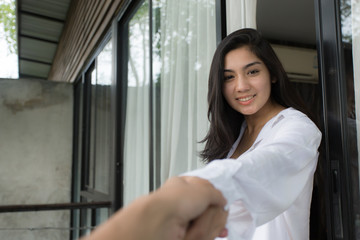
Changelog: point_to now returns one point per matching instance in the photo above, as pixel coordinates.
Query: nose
(241, 84)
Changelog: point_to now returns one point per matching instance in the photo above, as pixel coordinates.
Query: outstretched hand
(184, 208)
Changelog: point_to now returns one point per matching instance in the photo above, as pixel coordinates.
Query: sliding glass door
(338, 25)
(350, 29)
(165, 51)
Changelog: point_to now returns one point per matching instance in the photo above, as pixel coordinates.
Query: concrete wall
(36, 126)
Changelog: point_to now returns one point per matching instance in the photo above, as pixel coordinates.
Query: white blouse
(269, 187)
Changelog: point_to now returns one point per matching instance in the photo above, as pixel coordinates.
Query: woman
(261, 145)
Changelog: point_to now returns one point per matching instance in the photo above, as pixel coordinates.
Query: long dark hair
(225, 122)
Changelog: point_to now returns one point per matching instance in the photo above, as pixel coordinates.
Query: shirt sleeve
(270, 177)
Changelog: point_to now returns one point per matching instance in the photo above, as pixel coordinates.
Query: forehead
(240, 57)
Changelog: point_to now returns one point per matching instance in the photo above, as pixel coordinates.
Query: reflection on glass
(100, 139)
(346, 28)
(350, 24)
(136, 153)
(103, 116)
(104, 65)
(92, 129)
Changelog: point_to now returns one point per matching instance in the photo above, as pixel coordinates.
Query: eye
(253, 72)
(227, 78)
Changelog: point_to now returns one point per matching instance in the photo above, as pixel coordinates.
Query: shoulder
(291, 115)
(293, 120)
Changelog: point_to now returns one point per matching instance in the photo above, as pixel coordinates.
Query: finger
(208, 225)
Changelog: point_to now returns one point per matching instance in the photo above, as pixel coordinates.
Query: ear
(273, 80)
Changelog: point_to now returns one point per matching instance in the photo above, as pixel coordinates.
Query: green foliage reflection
(8, 23)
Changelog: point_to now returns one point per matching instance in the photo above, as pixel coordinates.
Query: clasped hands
(199, 209)
(184, 208)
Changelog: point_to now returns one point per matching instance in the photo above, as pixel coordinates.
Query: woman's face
(247, 83)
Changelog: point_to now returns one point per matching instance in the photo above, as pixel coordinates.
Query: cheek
(226, 91)
(270, 86)
(268, 92)
(266, 87)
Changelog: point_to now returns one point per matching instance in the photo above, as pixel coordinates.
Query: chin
(248, 113)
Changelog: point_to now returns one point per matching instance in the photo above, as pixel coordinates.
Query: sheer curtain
(136, 145)
(240, 14)
(355, 13)
(188, 41)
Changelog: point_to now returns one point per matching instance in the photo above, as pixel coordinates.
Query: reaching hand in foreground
(187, 208)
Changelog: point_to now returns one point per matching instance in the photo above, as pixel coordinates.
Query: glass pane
(100, 121)
(184, 40)
(350, 25)
(103, 137)
(92, 128)
(136, 153)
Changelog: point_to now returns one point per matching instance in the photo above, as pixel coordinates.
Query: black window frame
(332, 75)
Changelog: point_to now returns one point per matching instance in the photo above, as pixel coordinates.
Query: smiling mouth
(245, 99)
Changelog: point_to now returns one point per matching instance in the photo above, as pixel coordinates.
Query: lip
(245, 100)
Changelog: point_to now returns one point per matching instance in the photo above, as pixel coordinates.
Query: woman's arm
(271, 175)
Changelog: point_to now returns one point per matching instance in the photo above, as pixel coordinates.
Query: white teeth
(245, 99)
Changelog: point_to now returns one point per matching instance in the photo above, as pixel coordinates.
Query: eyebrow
(245, 67)
(251, 64)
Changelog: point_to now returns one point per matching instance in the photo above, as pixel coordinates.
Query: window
(185, 42)
(100, 121)
(170, 47)
(135, 132)
(93, 145)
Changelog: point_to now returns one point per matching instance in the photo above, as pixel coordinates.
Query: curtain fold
(240, 14)
(188, 41)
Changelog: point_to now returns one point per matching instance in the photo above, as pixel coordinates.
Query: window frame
(332, 76)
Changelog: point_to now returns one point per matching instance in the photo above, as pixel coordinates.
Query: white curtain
(355, 15)
(136, 146)
(188, 41)
(240, 14)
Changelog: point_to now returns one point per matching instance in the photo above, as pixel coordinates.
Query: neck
(256, 121)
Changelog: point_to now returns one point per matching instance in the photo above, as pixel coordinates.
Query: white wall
(36, 121)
